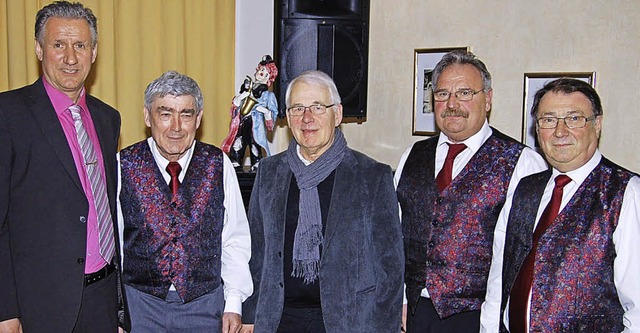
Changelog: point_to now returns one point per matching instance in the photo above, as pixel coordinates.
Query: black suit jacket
(43, 209)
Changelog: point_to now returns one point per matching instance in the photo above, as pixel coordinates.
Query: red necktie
(174, 169)
(522, 285)
(444, 176)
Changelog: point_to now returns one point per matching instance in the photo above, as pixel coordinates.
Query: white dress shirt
(528, 163)
(236, 241)
(626, 240)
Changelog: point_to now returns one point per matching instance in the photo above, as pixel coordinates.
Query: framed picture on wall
(424, 61)
(532, 83)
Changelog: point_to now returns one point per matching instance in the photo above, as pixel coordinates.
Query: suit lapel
(341, 197)
(282, 181)
(44, 114)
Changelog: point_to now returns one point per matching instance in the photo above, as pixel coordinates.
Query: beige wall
(512, 37)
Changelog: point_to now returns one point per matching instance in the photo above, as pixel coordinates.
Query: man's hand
(247, 328)
(404, 318)
(231, 322)
(11, 326)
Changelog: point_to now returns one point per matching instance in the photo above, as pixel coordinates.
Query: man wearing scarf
(326, 239)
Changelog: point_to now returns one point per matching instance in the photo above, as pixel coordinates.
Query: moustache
(454, 113)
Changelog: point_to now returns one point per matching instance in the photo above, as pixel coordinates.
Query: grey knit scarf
(308, 237)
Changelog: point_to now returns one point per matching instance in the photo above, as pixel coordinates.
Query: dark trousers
(426, 320)
(301, 320)
(99, 308)
(153, 314)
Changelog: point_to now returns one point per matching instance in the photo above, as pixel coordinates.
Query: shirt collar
(474, 142)
(163, 162)
(304, 160)
(580, 174)
(60, 101)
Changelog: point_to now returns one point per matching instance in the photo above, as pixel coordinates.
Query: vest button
(80, 260)
(442, 263)
(83, 219)
(174, 240)
(434, 223)
(432, 244)
(438, 200)
(428, 263)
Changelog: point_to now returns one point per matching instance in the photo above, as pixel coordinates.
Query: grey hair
(66, 10)
(174, 84)
(462, 57)
(317, 78)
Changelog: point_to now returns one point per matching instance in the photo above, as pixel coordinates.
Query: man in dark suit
(325, 231)
(57, 188)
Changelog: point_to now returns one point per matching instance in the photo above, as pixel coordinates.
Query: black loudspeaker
(327, 35)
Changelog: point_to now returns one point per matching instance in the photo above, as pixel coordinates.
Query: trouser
(301, 320)
(426, 320)
(99, 307)
(153, 314)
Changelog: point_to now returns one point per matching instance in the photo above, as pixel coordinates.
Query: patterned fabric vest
(172, 240)
(448, 236)
(573, 288)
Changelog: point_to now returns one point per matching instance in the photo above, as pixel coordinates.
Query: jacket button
(281, 284)
(83, 219)
(80, 260)
(280, 254)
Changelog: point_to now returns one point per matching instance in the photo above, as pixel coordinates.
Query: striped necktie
(98, 187)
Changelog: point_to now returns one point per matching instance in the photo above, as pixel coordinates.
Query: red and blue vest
(448, 236)
(573, 288)
(172, 239)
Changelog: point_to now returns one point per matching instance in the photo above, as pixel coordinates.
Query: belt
(94, 277)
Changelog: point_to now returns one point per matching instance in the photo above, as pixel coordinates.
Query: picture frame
(532, 83)
(424, 61)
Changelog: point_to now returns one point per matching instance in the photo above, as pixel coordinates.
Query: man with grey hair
(566, 253)
(451, 188)
(185, 238)
(58, 260)
(326, 239)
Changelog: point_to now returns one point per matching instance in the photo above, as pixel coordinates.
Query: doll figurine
(253, 113)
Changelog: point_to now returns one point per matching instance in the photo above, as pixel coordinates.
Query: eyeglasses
(462, 95)
(315, 109)
(569, 121)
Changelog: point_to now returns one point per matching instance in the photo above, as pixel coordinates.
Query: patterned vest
(448, 236)
(172, 240)
(573, 288)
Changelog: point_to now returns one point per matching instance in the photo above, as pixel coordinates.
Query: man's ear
(39, 50)
(147, 119)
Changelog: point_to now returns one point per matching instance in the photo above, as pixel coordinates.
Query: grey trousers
(153, 314)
